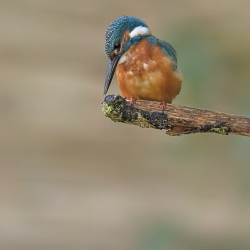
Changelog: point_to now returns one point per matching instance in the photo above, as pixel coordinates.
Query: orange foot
(163, 105)
(132, 101)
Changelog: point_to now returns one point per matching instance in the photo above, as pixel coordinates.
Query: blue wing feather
(165, 47)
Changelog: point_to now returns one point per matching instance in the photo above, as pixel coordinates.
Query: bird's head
(121, 34)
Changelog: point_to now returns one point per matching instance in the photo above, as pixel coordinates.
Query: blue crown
(116, 29)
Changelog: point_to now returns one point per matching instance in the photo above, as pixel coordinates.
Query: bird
(145, 66)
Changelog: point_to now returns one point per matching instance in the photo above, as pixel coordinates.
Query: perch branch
(176, 120)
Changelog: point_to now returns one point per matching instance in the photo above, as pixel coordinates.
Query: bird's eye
(117, 46)
(116, 50)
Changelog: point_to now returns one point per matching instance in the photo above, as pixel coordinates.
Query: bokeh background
(72, 179)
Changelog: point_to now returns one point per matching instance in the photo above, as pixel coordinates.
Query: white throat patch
(139, 31)
(122, 59)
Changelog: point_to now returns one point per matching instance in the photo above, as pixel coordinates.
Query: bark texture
(176, 120)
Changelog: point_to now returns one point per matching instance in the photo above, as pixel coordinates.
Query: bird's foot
(132, 101)
(163, 105)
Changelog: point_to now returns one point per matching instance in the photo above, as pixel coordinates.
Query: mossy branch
(176, 120)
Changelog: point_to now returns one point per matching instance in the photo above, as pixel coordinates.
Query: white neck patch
(139, 31)
(122, 59)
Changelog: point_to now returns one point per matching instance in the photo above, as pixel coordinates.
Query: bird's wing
(165, 47)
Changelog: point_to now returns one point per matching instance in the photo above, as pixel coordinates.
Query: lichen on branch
(175, 120)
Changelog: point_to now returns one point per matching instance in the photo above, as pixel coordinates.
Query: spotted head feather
(116, 29)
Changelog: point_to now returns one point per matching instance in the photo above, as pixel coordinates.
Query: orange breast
(147, 73)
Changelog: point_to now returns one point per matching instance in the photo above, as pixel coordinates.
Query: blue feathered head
(117, 28)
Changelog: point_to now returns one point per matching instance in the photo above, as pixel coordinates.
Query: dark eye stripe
(117, 46)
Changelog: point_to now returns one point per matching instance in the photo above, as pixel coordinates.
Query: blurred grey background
(72, 179)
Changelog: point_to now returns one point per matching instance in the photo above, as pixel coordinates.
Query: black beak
(111, 71)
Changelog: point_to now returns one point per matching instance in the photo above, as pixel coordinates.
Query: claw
(132, 101)
(163, 105)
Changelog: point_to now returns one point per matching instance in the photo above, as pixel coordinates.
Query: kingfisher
(145, 66)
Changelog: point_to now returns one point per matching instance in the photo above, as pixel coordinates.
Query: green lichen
(220, 130)
(140, 121)
(107, 109)
(116, 108)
